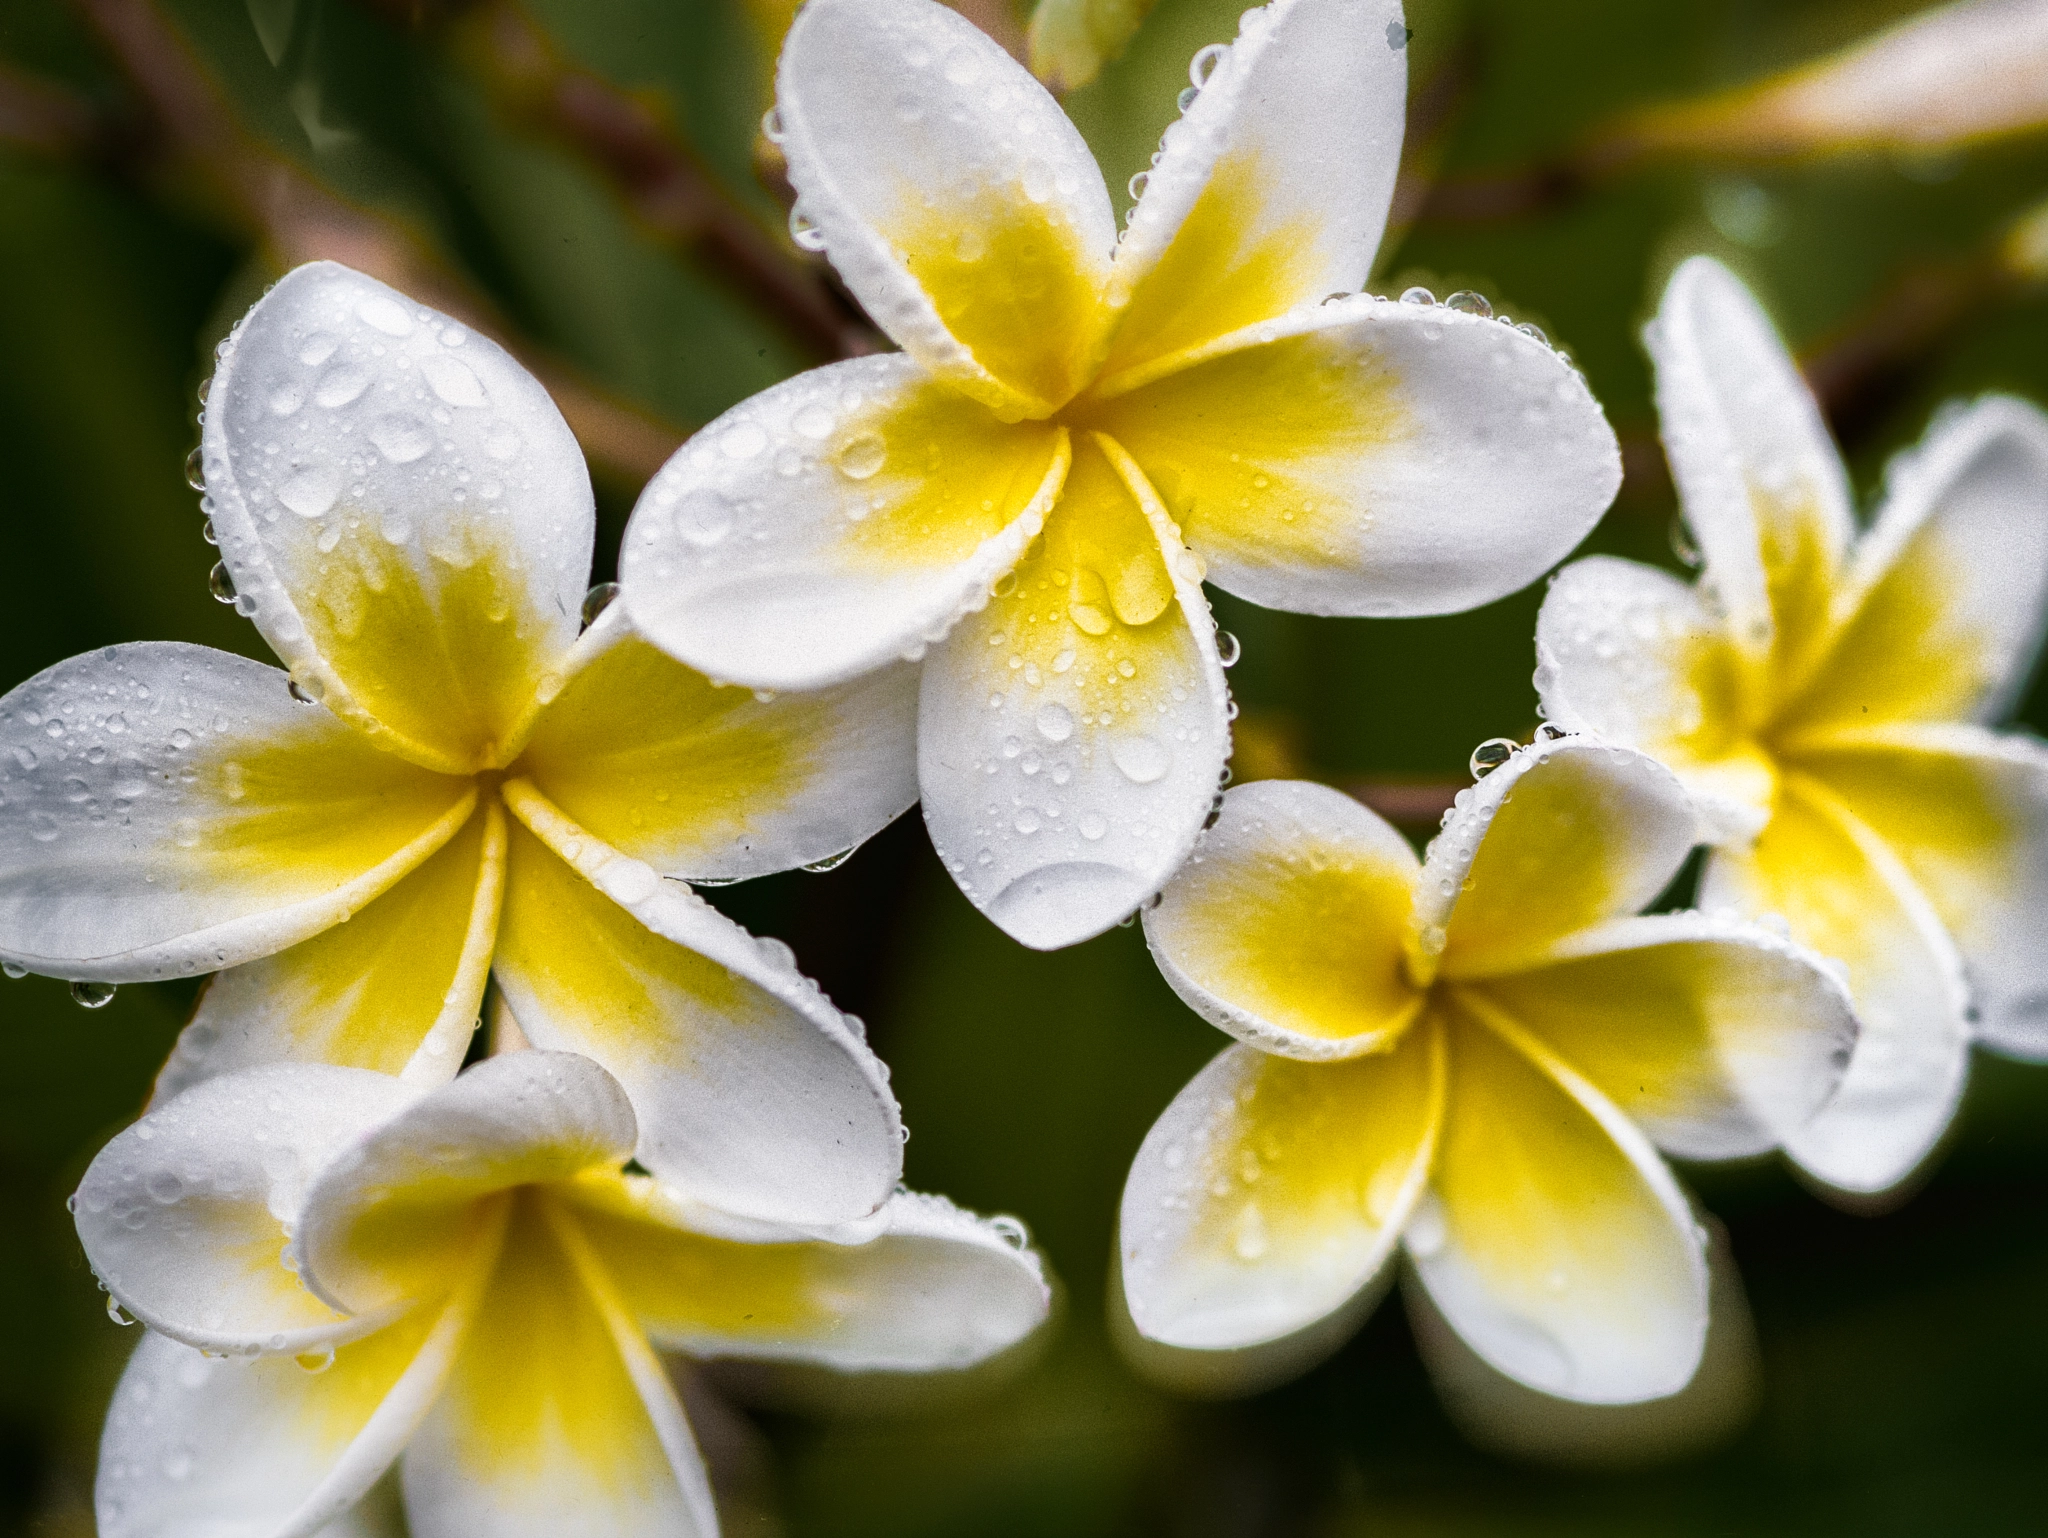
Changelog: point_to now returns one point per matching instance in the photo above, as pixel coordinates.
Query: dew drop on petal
(91, 995)
(861, 457)
(220, 583)
(1490, 755)
(1467, 302)
(1142, 759)
(1055, 722)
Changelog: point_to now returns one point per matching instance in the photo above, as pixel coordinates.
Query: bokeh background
(586, 177)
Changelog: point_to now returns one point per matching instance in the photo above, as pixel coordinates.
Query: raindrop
(771, 125)
(597, 600)
(1417, 295)
(1137, 184)
(1011, 1231)
(220, 583)
(1227, 648)
(1003, 586)
(1466, 302)
(1550, 731)
(1092, 826)
(831, 861)
(206, 532)
(1027, 821)
(340, 385)
(1055, 722)
(1682, 544)
(116, 1313)
(1398, 35)
(1142, 759)
(1490, 755)
(301, 693)
(315, 1361)
(11, 970)
(1187, 96)
(453, 381)
(803, 232)
(399, 438)
(1203, 65)
(1529, 329)
(195, 468)
(312, 491)
(861, 457)
(92, 995)
(813, 421)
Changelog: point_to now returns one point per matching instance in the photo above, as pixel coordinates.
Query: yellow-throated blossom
(449, 768)
(1079, 428)
(1471, 1057)
(1827, 696)
(473, 1290)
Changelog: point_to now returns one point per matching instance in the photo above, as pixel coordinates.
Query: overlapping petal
(1965, 811)
(403, 510)
(927, 1287)
(1556, 1242)
(1271, 1191)
(172, 810)
(955, 198)
(1564, 835)
(1290, 926)
(1844, 893)
(1271, 190)
(1717, 1039)
(1071, 736)
(715, 783)
(187, 1215)
(1369, 457)
(752, 1092)
(831, 524)
(398, 988)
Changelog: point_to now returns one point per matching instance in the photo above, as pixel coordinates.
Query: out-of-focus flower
(1956, 74)
(1080, 428)
(449, 768)
(468, 1282)
(1827, 697)
(1470, 1056)
(1072, 39)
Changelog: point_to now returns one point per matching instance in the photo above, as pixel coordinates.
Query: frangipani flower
(468, 1282)
(449, 768)
(1828, 696)
(1078, 429)
(1470, 1056)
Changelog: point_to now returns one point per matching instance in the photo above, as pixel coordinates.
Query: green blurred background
(160, 158)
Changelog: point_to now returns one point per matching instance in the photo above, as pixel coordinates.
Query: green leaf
(1072, 39)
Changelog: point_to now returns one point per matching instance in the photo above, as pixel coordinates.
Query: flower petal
(187, 1216)
(1966, 813)
(1072, 735)
(172, 810)
(1759, 480)
(1271, 1190)
(1272, 189)
(195, 1445)
(1562, 836)
(1848, 897)
(1717, 1039)
(956, 200)
(753, 1093)
(1288, 927)
(933, 1289)
(826, 527)
(1632, 654)
(1948, 593)
(1369, 457)
(399, 1212)
(706, 782)
(406, 515)
(1557, 1244)
(557, 1421)
(397, 989)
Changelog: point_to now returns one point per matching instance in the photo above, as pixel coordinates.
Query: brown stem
(192, 130)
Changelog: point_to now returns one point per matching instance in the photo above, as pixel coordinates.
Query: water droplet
(743, 440)
(1227, 648)
(206, 532)
(806, 234)
(1490, 755)
(312, 491)
(303, 694)
(386, 314)
(963, 66)
(87, 995)
(704, 519)
(1682, 544)
(195, 469)
(859, 458)
(1136, 185)
(771, 125)
(1398, 35)
(315, 1361)
(1417, 295)
(340, 385)
(454, 381)
(11, 970)
(1187, 96)
(831, 861)
(1533, 331)
(814, 422)
(1203, 65)
(1055, 722)
(1142, 759)
(597, 600)
(1467, 302)
(317, 349)
(220, 583)
(399, 438)
(165, 1187)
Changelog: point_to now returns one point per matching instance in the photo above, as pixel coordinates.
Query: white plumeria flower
(475, 789)
(1078, 429)
(1828, 697)
(476, 1286)
(1470, 1056)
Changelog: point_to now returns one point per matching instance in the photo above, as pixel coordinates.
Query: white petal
(405, 513)
(1069, 749)
(188, 1215)
(1272, 188)
(1370, 457)
(753, 1093)
(1272, 1191)
(1289, 925)
(1564, 835)
(366, 1239)
(1556, 1243)
(832, 524)
(703, 782)
(1632, 654)
(1758, 476)
(956, 200)
(1845, 894)
(172, 809)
